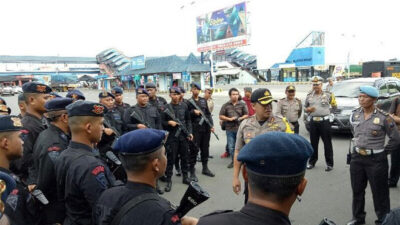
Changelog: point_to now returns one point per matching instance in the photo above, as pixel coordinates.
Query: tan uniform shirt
(250, 128)
(321, 102)
(291, 109)
(210, 103)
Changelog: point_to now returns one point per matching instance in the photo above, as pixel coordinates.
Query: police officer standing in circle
(262, 121)
(81, 175)
(317, 105)
(369, 161)
(144, 111)
(36, 95)
(290, 107)
(394, 173)
(274, 166)
(119, 103)
(49, 145)
(142, 154)
(20, 207)
(75, 95)
(157, 101)
(201, 133)
(177, 144)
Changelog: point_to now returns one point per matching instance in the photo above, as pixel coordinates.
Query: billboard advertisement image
(221, 29)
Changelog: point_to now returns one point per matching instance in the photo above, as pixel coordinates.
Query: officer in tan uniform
(369, 163)
(290, 107)
(318, 105)
(261, 122)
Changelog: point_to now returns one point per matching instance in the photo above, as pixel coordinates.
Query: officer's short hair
(28, 95)
(275, 187)
(138, 163)
(232, 90)
(54, 116)
(76, 122)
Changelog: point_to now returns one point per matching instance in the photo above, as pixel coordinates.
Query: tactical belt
(365, 151)
(320, 118)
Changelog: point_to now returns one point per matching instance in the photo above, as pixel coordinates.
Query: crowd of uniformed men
(82, 162)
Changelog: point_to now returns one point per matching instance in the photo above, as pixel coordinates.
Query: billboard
(222, 29)
(138, 62)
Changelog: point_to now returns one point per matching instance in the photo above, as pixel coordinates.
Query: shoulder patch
(97, 170)
(53, 149)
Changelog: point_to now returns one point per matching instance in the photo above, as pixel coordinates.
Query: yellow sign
(397, 75)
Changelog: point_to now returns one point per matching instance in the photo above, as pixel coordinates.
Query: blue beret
(58, 104)
(4, 108)
(9, 183)
(35, 87)
(55, 94)
(370, 91)
(117, 90)
(276, 154)
(150, 85)
(182, 89)
(141, 91)
(2, 101)
(76, 92)
(196, 85)
(175, 90)
(104, 94)
(10, 123)
(140, 142)
(86, 108)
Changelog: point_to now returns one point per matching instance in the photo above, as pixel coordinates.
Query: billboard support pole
(211, 70)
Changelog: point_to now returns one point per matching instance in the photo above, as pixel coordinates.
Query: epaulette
(282, 99)
(383, 112)
(218, 212)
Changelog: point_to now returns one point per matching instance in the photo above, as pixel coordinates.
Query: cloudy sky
(368, 30)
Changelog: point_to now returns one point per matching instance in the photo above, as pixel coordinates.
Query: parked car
(17, 89)
(7, 90)
(346, 93)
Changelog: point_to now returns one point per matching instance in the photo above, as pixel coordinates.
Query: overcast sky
(369, 30)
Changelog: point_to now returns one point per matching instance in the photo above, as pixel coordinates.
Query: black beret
(140, 142)
(276, 154)
(196, 85)
(2, 101)
(140, 91)
(9, 183)
(57, 104)
(10, 123)
(182, 89)
(5, 109)
(55, 94)
(262, 96)
(175, 90)
(150, 85)
(76, 92)
(35, 87)
(86, 108)
(117, 90)
(104, 94)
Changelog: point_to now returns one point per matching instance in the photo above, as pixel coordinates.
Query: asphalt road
(326, 195)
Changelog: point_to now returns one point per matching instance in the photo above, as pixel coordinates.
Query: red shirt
(249, 106)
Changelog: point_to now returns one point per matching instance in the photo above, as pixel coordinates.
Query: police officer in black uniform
(119, 104)
(201, 132)
(146, 112)
(75, 95)
(20, 207)
(369, 163)
(155, 100)
(48, 147)
(21, 105)
(81, 175)
(142, 154)
(177, 144)
(36, 95)
(276, 179)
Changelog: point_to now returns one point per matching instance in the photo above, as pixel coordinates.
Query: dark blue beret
(4, 108)
(117, 90)
(370, 91)
(182, 89)
(10, 123)
(35, 87)
(58, 104)
(55, 94)
(2, 101)
(104, 94)
(276, 154)
(9, 182)
(150, 85)
(76, 92)
(21, 97)
(140, 142)
(141, 91)
(175, 90)
(196, 85)
(86, 108)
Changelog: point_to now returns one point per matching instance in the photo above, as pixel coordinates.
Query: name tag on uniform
(376, 120)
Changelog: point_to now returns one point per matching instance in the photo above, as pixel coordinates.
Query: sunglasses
(315, 85)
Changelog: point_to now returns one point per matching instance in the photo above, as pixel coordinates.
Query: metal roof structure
(47, 59)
